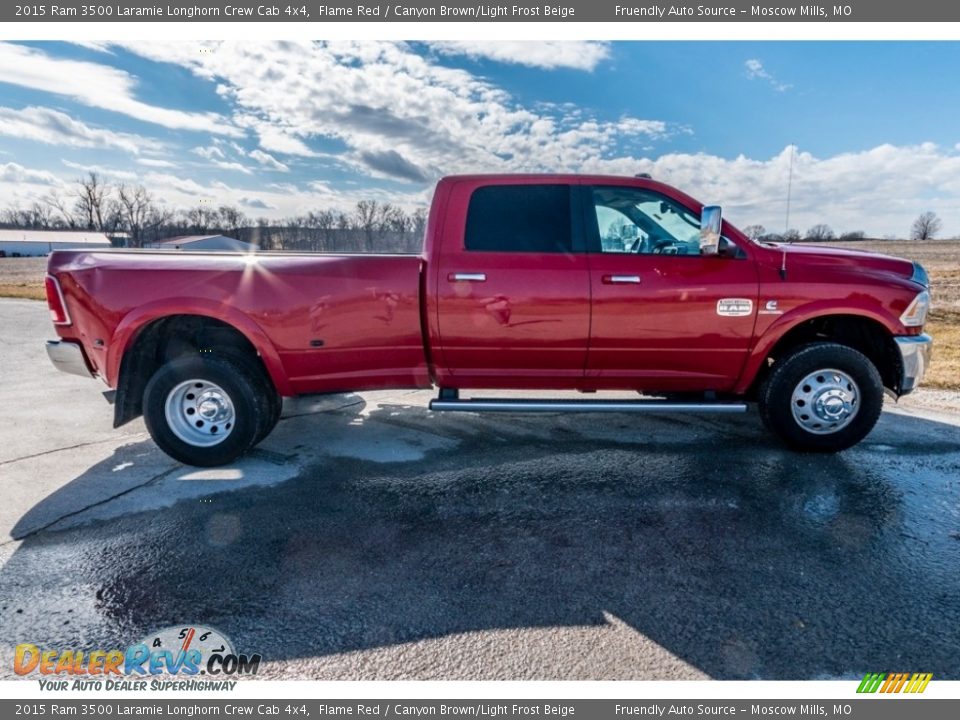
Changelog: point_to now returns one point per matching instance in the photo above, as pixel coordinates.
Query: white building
(206, 243)
(30, 243)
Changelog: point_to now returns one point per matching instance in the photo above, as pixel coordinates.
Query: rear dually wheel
(206, 410)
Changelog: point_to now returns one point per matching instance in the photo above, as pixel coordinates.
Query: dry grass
(941, 258)
(23, 278)
(29, 291)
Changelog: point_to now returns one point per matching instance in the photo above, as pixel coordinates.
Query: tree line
(133, 217)
(926, 227)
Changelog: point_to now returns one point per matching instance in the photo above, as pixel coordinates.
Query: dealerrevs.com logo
(174, 658)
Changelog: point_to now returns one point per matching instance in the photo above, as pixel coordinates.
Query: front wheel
(205, 411)
(822, 397)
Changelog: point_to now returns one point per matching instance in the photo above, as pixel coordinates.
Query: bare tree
(926, 226)
(36, 217)
(853, 235)
(819, 233)
(369, 216)
(323, 223)
(92, 198)
(231, 220)
(373, 226)
(419, 222)
(754, 232)
(201, 219)
(789, 236)
(58, 208)
(40, 215)
(137, 212)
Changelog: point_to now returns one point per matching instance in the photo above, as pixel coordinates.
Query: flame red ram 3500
(525, 282)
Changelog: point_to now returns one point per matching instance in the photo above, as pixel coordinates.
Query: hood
(809, 254)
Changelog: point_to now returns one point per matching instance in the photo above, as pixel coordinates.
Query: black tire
(243, 387)
(776, 397)
(270, 401)
(272, 415)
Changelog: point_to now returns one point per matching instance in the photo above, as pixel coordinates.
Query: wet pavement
(370, 539)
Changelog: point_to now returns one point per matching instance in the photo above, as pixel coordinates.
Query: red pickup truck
(545, 282)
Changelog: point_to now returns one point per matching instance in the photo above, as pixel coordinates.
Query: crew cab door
(665, 317)
(513, 287)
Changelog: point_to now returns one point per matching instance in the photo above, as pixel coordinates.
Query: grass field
(23, 278)
(941, 258)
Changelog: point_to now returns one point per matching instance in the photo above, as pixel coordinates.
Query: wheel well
(862, 334)
(166, 339)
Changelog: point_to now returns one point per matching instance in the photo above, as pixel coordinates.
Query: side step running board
(519, 405)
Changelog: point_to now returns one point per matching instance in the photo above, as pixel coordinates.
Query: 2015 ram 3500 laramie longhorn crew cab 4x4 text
(545, 282)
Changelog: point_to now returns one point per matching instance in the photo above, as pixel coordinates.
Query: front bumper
(67, 356)
(915, 351)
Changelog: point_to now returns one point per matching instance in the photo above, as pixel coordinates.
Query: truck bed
(332, 322)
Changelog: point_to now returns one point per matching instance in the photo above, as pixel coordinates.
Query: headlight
(920, 275)
(916, 313)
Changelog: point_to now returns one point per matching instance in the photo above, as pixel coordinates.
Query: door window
(519, 218)
(633, 220)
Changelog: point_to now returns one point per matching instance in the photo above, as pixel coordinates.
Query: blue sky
(283, 128)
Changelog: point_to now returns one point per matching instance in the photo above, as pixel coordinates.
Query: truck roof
(574, 179)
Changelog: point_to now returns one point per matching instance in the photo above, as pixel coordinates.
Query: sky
(282, 128)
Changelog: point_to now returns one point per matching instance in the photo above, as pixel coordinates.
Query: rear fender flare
(136, 320)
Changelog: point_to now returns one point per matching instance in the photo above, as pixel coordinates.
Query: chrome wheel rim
(200, 413)
(825, 401)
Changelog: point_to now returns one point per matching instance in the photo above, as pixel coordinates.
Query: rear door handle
(621, 279)
(467, 277)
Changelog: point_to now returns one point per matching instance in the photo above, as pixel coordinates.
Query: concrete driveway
(370, 539)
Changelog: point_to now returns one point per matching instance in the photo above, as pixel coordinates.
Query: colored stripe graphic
(894, 682)
(870, 683)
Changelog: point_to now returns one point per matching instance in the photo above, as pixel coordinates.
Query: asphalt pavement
(370, 539)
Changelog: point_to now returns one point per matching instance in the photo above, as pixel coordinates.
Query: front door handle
(621, 279)
(467, 277)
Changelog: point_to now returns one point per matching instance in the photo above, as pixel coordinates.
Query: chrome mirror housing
(710, 223)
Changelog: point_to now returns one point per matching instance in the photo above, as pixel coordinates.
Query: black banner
(853, 709)
(322, 11)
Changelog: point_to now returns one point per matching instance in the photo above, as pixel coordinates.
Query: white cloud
(391, 113)
(210, 153)
(268, 161)
(11, 172)
(547, 54)
(280, 140)
(97, 45)
(53, 127)
(109, 173)
(219, 159)
(99, 86)
(880, 190)
(235, 166)
(255, 203)
(154, 162)
(756, 71)
(398, 114)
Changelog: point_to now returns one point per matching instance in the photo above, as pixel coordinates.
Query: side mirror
(710, 222)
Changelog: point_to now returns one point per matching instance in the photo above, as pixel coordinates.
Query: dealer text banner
(873, 709)
(322, 11)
